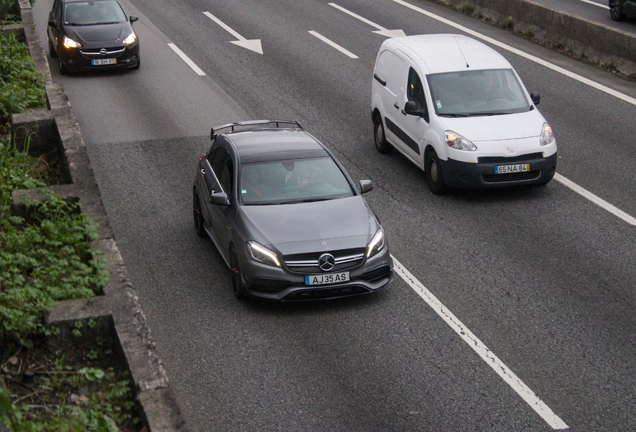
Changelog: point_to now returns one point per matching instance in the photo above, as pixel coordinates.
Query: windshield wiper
(454, 115)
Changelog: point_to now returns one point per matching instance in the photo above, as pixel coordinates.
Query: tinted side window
(216, 158)
(226, 177)
(415, 89)
(57, 10)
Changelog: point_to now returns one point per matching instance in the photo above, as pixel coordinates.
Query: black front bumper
(482, 175)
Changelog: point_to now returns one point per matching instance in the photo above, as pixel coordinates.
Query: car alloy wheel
(237, 277)
(616, 10)
(434, 174)
(198, 216)
(381, 143)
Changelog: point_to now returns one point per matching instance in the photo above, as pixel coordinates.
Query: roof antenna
(460, 50)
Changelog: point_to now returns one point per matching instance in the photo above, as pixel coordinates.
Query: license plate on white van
(507, 169)
(327, 278)
(100, 62)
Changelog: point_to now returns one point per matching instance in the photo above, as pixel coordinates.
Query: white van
(458, 110)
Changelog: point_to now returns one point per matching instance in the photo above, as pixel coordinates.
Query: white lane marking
(595, 199)
(595, 4)
(482, 350)
(333, 44)
(381, 30)
(530, 57)
(250, 44)
(186, 59)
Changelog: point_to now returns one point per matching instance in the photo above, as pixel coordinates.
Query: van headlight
(547, 137)
(458, 142)
(262, 254)
(376, 244)
(130, 40)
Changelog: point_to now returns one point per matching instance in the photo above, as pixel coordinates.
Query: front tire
(198, 216)
(616, 10)
(61, 66)
(434, 175)
(381, 144)
(237, 276)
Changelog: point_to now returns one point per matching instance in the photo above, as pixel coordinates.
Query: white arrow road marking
(333, 44)
(482, 350)
(251, 44)
(186, 59)
(381, 30)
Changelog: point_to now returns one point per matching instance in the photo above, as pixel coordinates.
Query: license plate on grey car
(327, 278)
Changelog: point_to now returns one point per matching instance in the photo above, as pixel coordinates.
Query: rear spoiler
(256, 124)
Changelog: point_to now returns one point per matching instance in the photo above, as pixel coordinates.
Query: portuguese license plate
(100, 62)
(507, 169)
(327, 278)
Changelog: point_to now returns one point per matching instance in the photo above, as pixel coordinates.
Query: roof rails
(256, 124)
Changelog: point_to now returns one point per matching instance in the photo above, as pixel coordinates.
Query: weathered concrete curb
(118, 317)
(584, 39)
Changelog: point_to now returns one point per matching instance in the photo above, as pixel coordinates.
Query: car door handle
(396, 106)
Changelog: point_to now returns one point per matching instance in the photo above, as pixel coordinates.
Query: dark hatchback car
(622, 9)
(92, 35)
(285, 215)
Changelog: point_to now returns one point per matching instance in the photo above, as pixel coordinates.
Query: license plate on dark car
(100, 62)
(327, 278)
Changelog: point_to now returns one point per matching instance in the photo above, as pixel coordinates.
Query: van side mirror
(414, 108)
(535, 98)
(52, 22)
(133, 18)
(365, 186)
(219, 198)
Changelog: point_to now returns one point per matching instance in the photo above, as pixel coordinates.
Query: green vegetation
(21, 86)
(47, 257)
(508, 23)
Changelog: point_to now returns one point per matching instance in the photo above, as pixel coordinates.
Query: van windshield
(477, 93)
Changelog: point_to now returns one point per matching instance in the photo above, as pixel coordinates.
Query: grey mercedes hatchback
(286, 217)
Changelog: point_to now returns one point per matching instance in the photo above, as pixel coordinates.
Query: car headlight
(376, 244)
(70, 43)
(262, 254)
(456, 141)
(131, 39)
(547, 137)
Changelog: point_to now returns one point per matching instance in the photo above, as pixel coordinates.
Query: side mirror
(365, 186)
(52, 22)
(219, 198)
(133, 18)
(535, 98)
(414, 108)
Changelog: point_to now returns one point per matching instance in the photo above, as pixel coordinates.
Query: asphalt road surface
(511, 310)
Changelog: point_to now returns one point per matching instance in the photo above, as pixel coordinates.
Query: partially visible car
(92, 35)
(286, 217)
(622, 9)
(458, 110)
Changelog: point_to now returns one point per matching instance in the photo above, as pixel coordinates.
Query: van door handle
(396, 105)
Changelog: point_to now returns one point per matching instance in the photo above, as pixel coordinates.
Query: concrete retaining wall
(54, 132)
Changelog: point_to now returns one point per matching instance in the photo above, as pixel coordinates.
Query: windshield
(292, 181)
(93, 12)
(474, 93)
